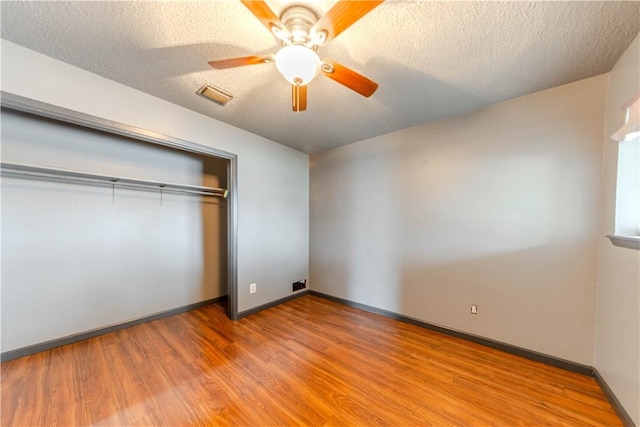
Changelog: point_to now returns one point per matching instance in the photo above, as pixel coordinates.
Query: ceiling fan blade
(299, 98)
(263, 12)
(342, 15)
(239, 62)
(349, 78)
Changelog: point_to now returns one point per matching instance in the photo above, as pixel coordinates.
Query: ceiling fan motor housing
(299, 20)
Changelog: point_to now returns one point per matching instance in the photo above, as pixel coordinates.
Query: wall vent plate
(297, 286)
(214, 94)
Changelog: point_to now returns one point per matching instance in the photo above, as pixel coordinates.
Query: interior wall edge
(271, 304)
(617, 320)
(613, 400)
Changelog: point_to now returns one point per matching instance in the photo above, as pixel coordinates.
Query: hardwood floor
(307, 362)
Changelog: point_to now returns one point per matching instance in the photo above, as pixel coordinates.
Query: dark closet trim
(41, 109)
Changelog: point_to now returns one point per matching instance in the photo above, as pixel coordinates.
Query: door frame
(50, 111)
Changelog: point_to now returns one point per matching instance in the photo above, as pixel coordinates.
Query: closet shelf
(17, 169)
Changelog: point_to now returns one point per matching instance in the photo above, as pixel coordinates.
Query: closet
(99, 229)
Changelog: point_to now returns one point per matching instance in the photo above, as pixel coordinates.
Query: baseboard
(613, 400)
(262, 307)
(48, 345)
(58, 342)
(508, 348)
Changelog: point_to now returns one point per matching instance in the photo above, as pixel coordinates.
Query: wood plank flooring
(307, 362)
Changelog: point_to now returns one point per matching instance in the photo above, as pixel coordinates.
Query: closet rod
(17, 169)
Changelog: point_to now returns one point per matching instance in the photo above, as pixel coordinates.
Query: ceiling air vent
(214, 94)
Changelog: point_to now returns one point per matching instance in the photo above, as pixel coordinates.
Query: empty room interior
(320, 212)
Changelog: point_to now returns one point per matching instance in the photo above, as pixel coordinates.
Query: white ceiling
(432, 60)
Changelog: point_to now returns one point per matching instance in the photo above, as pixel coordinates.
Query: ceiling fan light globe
(298, 64)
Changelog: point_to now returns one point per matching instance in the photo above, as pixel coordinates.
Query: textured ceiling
(433, 60)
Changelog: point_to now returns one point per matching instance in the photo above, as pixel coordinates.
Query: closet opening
(103, 223)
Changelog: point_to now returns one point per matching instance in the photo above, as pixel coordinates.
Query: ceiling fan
(301, 32)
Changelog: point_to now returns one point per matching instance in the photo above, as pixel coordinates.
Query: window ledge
(631, 242)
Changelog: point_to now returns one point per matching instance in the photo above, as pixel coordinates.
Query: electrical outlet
(252, 288)
(474, 309)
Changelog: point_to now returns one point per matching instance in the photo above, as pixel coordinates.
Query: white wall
(617, 355)
(497, 208)
(272, 179)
